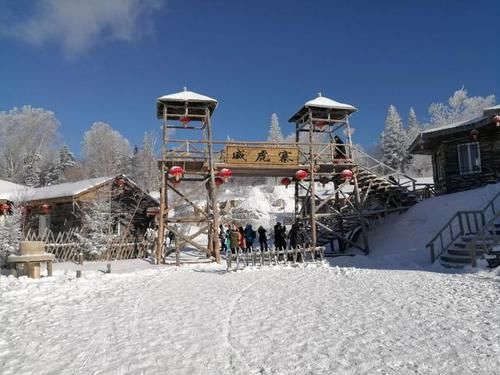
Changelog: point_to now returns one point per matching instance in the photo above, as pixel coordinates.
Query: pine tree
(409, 136)
(56, 172)
(275, 134)
(31, 170)
(96, 231)
(393, 144)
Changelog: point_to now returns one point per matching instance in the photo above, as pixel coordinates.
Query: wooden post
(78, 274)
(49, 268)
(108, 268)
(312, 185)
(80, 258)
(364, 228)
(213, 237)
(160, 240)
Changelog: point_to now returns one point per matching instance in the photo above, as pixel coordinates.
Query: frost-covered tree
(275, 134)
(459, 107)
(97, 223)
(105, 151)
(10, 234)
(56, 172)
(148, 177)
(31, 170)
(393, 139)
(28, 138)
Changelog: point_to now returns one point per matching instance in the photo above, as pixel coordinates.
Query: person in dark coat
(249, 236)
(293, 236)
(339, 148)
(277, 235)
(262, 238)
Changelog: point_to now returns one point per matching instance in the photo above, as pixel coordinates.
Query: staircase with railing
(467, 235)
(382, 190)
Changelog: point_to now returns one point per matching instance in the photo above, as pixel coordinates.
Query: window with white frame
(469, 158)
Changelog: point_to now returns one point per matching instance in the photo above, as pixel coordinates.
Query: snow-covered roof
(339, 110)
(324, 102)
(11, 191)
(67, 189)
(453, 125)
(186, 96)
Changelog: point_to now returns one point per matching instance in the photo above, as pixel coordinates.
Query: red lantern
(185, 120)
(474, 133)
(46, 208)
(320, 124)
(286, 181)
(4, 208)
(225, 173)
(301, 174)
(496, 120)
(177, 172)
(346, 174)
(324, 180)
(218, 181)
(120, 182)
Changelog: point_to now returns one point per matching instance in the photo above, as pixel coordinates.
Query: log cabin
(466, 154)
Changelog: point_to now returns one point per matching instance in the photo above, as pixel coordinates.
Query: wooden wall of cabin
(62, 217)
(453, 181)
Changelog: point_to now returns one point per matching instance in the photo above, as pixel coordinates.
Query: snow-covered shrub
(10, 234)
(96, 231)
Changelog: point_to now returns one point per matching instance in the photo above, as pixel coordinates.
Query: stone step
(463, 252)
(459, 259)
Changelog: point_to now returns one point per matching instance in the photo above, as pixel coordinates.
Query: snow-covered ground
(390, 312)
(202, 320)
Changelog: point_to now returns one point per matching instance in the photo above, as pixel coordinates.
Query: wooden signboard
(266, 155)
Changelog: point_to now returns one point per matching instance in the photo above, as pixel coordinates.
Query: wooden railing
(486, 238)
(66, 246)
(462, 223)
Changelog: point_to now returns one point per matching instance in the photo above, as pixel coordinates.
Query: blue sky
(109, 60)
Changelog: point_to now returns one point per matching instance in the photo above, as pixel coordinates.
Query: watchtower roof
(323, 104)
(184, 103)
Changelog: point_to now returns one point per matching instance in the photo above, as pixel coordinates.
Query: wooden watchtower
(181, 112)
(328, 159)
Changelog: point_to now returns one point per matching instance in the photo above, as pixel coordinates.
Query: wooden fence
(66, 246)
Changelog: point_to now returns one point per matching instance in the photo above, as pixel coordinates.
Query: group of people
(235, 238)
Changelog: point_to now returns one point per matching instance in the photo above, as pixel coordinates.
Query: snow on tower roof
(186, 96)
(185, 103)
(339, 110)
(324, 102)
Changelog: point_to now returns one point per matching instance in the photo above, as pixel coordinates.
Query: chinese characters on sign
(254, 155)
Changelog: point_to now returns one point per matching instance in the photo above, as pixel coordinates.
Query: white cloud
(78, 25)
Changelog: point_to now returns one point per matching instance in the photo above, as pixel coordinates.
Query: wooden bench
(31, 264)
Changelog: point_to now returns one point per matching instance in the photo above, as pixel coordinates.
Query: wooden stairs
(469, 236)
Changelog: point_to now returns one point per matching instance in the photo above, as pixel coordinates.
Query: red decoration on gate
(346, 174)
(286, 181)
(46, 208)
(301, 174)
(218, 181)
(225, 173)
(177, 172)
